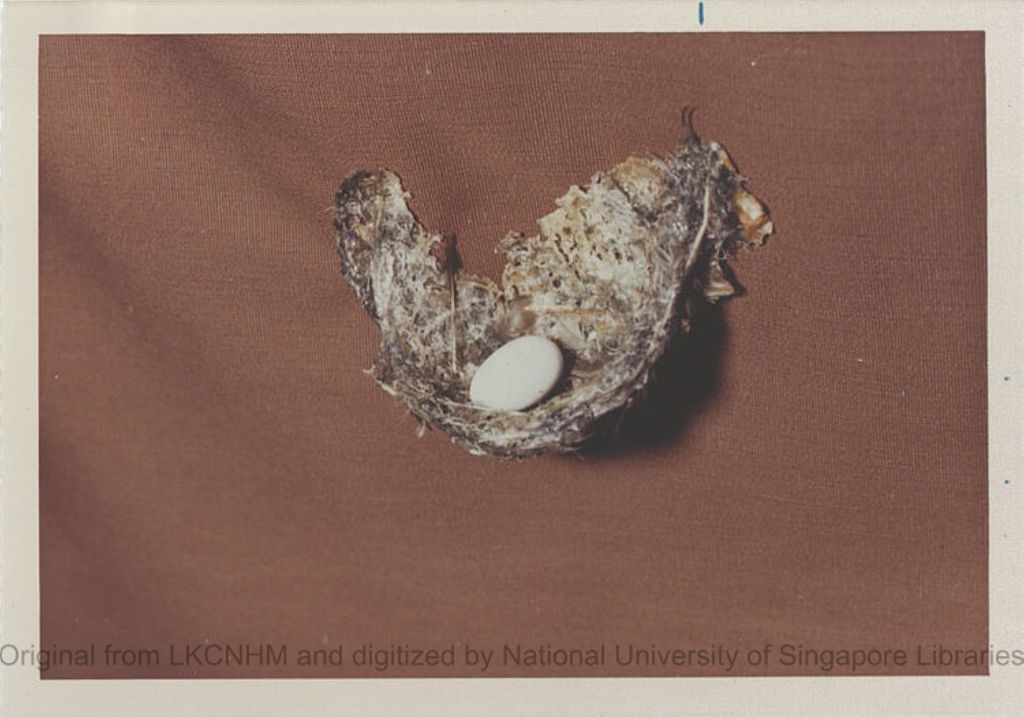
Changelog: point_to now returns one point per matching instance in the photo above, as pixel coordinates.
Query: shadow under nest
(685, 379)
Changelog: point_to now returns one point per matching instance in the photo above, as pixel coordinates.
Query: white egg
(517, 375)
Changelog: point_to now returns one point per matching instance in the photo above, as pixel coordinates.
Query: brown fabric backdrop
(217, 468)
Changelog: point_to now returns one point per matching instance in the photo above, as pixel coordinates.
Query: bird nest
(610, 278)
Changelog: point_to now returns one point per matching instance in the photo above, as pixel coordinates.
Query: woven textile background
(216, 468)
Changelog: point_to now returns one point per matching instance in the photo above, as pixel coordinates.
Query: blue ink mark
(700, 13)
(1006, 378)
(1006, 482)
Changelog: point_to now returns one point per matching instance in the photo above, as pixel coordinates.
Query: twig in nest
(448, 260)
(453, 337)
(699, 239)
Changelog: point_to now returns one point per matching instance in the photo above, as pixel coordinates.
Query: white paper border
(23, 693)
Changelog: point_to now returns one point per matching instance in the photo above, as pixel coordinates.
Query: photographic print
(513, 355)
